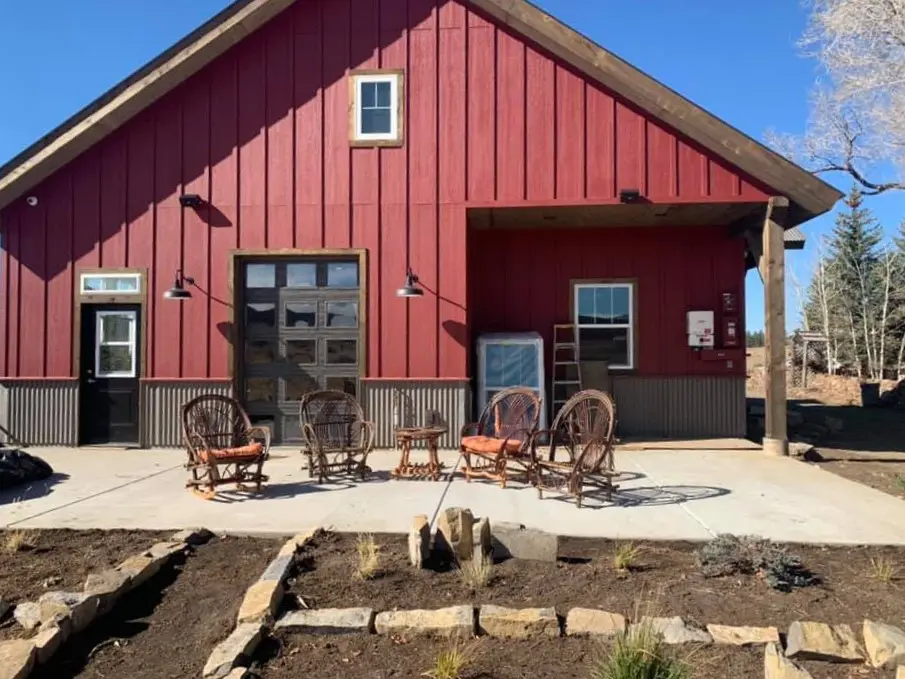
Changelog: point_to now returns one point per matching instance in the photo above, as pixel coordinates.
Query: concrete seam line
(682, 506)
(91, 497)
(452, 474)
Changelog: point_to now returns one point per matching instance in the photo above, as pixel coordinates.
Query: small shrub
(449, 663)
(625, 557)
(19, 541)
(882, 569)
(477, 573)
(752, 555)
(639, 653)
(900, 482)
(368, 558)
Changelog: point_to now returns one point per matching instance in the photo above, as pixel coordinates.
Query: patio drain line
(452, 474)
(91, 497)
(681, 504)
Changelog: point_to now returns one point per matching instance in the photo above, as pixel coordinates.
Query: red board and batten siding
(263, 133)
(674, 270)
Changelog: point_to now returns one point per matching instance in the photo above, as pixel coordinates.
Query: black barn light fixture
(410, 289)
(178, 291)
(629, 195)
(192, 200)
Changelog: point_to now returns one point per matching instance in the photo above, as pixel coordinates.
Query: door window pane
(260, 276)
(260, 390)
(301, 315)
(342, 352)
(301, 352)
(345, 384)
(342, 274)
(296, 387)
(261, 316)
(115, 359)
(302, 275)
(342, 314)
(260, 351)
(116, 327)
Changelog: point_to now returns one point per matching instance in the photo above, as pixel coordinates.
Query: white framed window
(377, 108)
(103, 283)
(605, 322)
(114, 344)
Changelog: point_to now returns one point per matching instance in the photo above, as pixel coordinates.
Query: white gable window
(377, 108)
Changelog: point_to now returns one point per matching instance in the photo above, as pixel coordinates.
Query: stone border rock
(256, 613)
(57, 615)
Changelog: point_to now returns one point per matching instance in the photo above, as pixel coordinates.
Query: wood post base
(776, 447)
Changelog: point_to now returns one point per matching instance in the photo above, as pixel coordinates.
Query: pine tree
(854, 259)
(897, 321)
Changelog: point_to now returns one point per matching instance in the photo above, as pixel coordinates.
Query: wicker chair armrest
(257, 432)
(310, 436)
(514, 436)
(368, 431)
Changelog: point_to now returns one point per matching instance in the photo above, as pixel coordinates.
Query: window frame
(127, 275)
(631, 327)
(396, 136)
(131, 342)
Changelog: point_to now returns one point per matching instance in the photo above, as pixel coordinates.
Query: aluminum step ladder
(566, 379)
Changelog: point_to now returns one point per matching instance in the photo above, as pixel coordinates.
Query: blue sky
(737, 59)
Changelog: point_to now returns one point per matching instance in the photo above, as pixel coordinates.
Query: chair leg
(467, 464)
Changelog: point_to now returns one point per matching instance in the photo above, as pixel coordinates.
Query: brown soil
(166, 628)
(60, 560)
(374, 657)
(666, 578)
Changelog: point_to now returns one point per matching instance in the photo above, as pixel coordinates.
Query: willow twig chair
(223, 446)
(502, 435)
(335, 433)
(584, 431)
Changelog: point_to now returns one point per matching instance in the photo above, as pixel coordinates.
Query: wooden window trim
(399, 139)
(633, 282)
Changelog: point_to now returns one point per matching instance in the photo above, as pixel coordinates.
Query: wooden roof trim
(811, 193)
(134, 94)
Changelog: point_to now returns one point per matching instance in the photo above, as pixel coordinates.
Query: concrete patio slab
(664, 494)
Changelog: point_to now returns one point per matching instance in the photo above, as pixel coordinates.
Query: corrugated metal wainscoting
(39, 412)
(161, 406)
(412, 399)
(680, 407)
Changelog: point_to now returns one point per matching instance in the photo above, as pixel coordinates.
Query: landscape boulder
(454, 533)
(518, 623)
(481, 538)
(18, 467)
(514, 540)
(777, 666)
(328, 621)
(743, 636)
(453, 622)
(591, 622)
(17, 657)
(419, 541)
(820, 641)
(675, 631)
(239, 645)
(885, 644)
(79, 607)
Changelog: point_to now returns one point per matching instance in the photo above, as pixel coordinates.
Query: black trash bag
(18, 467)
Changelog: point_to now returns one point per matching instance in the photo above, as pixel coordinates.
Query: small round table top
(417, 433)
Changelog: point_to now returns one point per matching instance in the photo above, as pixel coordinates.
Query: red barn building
(284, 166)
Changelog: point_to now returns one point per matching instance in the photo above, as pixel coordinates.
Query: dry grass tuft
(639, 653)
(368, 566)
(477, 573)
(625, 557)
(882, 569)
(19, 541)
(450, 663)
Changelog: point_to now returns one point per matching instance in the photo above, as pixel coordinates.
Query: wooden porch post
(772, 270)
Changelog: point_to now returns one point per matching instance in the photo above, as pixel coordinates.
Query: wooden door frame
(81, 300)
(239, 256)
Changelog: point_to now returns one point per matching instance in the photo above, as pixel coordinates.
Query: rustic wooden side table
(405, 437)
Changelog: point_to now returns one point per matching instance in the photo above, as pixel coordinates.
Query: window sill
(376, 143)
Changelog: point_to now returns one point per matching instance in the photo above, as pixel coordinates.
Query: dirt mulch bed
(166, 628)
(376, 657)
(666, 577)
(886, 474)
(49, 560)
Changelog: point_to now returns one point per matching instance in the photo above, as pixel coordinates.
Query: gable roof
(809, 196)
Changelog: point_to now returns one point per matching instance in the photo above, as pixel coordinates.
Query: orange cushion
(252, 450)
(489, 444)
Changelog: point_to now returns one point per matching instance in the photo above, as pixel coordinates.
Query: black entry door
(110, 370)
